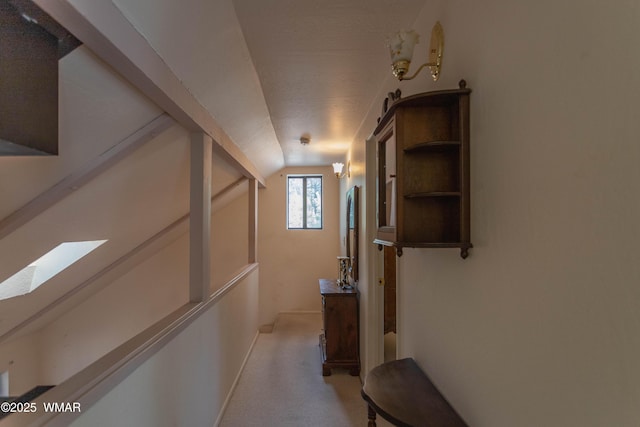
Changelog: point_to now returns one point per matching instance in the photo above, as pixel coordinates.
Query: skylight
(44, 268)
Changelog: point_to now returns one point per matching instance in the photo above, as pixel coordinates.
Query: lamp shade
(337, 168)
(401, 45)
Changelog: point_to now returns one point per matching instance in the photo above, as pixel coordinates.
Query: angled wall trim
(83, 175)
(94, 381)
(114, 270)
(102, 27)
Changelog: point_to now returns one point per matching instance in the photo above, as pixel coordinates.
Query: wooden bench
(403, 395)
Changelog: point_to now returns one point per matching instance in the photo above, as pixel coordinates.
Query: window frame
(304, 201)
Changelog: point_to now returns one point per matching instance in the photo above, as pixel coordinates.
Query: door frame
(374, 306)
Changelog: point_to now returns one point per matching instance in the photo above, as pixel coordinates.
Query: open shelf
(433, 194)
(433, 145)
(423, 171)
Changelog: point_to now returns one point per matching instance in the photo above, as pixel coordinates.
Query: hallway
(282, 383)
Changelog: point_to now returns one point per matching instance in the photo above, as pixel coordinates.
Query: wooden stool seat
(401, 393)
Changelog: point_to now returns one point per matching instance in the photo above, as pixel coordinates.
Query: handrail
(94, 381)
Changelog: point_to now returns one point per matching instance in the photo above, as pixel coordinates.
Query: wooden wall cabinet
(339, 341)
(423, 198)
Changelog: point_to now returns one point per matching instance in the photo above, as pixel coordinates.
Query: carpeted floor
(282, 383)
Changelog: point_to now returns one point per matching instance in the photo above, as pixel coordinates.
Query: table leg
(372, 416)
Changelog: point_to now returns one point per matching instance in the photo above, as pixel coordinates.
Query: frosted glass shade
(337, 168)
(401, 45)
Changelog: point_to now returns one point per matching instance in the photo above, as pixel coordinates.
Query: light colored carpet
(282, 383)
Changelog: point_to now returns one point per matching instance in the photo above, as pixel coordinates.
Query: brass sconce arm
(401, 49)
(426, 64)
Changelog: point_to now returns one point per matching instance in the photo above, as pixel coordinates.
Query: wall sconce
(401, 47)
(337, 169)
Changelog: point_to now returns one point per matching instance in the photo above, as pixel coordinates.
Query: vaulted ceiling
(273, 71)
(320, 65)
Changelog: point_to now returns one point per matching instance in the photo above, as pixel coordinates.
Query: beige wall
(539, 326)
(229, 240)
(188, 380)
(130, 304)
(133, 302)
(20, 358)
(292, 261)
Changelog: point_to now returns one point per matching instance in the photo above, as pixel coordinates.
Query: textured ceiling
(320, 65)
(273, 71)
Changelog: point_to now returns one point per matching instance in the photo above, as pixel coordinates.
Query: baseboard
(266, 329)
(301, 312)
(235, 381)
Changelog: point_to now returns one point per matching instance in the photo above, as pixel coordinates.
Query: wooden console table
(339, 342)
(403, 395)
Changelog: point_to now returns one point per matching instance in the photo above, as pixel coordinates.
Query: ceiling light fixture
(305, 140)
(401, 47)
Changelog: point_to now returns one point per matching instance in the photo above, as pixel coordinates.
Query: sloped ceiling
(320, 65)
(272, 71)
(203, 44)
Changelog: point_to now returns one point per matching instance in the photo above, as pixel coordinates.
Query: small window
(304, 202)
(44, 268)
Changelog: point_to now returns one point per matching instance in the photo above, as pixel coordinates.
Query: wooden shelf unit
(423, 171)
